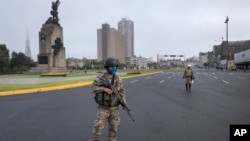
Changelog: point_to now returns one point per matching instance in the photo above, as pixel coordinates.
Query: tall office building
(126, 27)
(110, 43)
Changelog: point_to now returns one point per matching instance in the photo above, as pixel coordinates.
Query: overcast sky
(166, 27)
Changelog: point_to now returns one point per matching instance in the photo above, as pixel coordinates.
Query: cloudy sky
(165, 27)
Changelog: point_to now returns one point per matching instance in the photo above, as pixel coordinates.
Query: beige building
(110, 43)
(126, 27)
(74, 62)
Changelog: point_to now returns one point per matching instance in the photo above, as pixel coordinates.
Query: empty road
(162, 109)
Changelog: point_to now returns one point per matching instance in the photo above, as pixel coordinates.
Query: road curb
(46, 89)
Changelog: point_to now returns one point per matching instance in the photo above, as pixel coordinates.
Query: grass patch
(134, 72)
(11, 87)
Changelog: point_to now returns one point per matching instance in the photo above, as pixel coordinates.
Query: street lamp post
(227, 19)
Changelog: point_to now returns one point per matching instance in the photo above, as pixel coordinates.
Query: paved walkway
(43, 79)
(39, 80)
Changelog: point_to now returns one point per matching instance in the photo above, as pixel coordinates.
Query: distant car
(219, 67)
(234, 68)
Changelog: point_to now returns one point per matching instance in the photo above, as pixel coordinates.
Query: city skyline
(161, 27)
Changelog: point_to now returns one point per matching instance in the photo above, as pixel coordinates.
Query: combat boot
(189, 88)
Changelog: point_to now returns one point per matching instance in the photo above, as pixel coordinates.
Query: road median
(60, 87)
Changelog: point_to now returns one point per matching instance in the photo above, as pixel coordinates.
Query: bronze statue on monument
(57, 46)
(54, 12)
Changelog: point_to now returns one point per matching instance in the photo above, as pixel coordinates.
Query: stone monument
(51, 57)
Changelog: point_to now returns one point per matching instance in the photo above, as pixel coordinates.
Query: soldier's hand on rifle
(125, 107)
(108, 91)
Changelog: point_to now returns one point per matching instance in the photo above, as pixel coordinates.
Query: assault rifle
(118, 98)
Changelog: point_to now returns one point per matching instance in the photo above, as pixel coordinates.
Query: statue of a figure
(57, 46)
(54, 19)
(55, 5)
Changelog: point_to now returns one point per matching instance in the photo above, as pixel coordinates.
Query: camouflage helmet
(111, 62)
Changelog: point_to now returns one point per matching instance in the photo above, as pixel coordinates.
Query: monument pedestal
(51, 57)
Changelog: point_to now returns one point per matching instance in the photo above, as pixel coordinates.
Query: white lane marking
(213, 73)
(242, 77)
(216, 77)
(133, 81)
(148, 77)
(169, 77)
(225, 82)
(161, 81)
(230, 73)
(198, 73)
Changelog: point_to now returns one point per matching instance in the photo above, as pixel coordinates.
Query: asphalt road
(162, 109)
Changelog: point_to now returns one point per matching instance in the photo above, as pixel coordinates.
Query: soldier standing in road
(189, 76)
(103, 97)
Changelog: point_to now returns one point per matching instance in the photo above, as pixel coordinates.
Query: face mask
(113, 70)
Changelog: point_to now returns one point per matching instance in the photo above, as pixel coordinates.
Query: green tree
(20, 63)
(4, 59)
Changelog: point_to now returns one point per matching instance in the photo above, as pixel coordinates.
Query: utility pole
(157, 64)
(227, 19)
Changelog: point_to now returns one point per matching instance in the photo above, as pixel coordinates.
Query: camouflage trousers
(104, 115)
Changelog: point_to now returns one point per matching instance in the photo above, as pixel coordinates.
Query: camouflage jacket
(118, 84)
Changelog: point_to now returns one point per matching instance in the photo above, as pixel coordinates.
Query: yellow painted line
(37, 90)
(54, 88)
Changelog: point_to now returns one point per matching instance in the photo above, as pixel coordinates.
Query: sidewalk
(44, 79)
(40, 80)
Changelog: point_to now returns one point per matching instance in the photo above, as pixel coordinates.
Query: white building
(202, 59)
(137, 62)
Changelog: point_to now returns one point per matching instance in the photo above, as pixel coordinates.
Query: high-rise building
(110, 43)
(126, 27)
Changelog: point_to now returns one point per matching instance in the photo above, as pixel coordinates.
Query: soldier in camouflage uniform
(103, 97)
